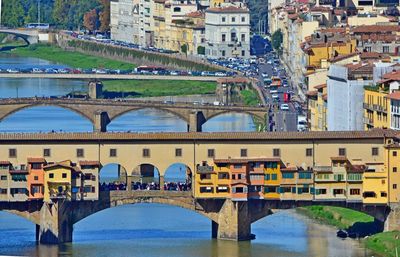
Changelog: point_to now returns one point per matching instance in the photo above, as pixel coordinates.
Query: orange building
(35, 178)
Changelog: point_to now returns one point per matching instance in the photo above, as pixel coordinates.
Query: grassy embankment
(384, 243)
(249, 97)
(147, 88)
(336, 216)
(72, 59)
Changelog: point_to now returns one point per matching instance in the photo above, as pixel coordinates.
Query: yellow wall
(376, 109)
(52, 184)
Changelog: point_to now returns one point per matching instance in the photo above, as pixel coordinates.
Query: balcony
(323, 168)
(367, 106)
(368, 121)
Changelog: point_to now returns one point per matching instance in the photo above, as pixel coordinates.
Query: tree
(277, 39)
(201, 50)
(12, 14)
(90, 20)
(184, 48)
(60, 12)
(105, 16)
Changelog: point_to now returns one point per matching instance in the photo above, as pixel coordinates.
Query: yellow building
(375, 184)
(62, 181)
(393, 171)
(272, 174)
(376, 107)
(318, 108)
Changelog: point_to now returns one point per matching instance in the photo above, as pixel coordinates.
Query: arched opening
(13, 41)
(45, 119)
(145, 176)
(178, 177)
(230, 122)
(136, 224)
(113, 176)
(15, 231)
(148, 120)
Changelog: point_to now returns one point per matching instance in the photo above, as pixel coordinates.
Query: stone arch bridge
(101, 112)
(230, 220)
(30, 36)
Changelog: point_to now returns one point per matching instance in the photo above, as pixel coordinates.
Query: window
(64, 175)
(233, 36)
(394, 169)
(223, 53)
(206, 189)
(238, 190)
(320, 191)
(176, 9)
(12, 153)
(233, 19)
(3, 191)
(309, 152)
(113, 152)
(383, 194)
(80, 152)
(354, 176)
(287, 175)
(276, 152)
(178, 152)
(342, 151)
(36, 177)
(243, 152)
(338, 191)
(385, 49)
(304, 175)
(223, 38)
(3, 178)
(223, 19)
(338, 177)
(51, 175)
(211, 153)
(375, 151)
(46, 152)
(243, 37)
(270, 189)
(243, 19)
(274, 176)
(223, 175)
(36, 166)
(243, 52)
(394, 186)
(237, 166)
(146, 152)
(394, 153)
(205, 176)
(354, 191)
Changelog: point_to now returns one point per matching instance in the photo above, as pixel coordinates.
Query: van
(273, 92)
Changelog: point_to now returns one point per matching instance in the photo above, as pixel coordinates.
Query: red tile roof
(229, 9)
(395, 95)
(320, 86)
(5, 162)
(246, 160)
(339, 158)
(36, 160)
(376, 29)
(89, 163)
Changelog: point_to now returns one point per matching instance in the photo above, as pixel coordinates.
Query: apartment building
(124, 20)
(227, 32)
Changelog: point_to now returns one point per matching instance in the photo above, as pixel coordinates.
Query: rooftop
(229, 9)
(193, 136)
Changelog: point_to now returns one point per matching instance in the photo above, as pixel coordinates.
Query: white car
(284, 107)
(275, 96)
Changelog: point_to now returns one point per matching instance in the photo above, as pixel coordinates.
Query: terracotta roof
(89, 163)
(380, 37)
(356, 168)
(246, 160)
(339, 158)
(342, 57)
(36, 160)
(195, 14)
(376, 29)
(5, 162)
(392, 76)
(19, 172)
(395, 95)
(191, 136)
(289, 169)
(372, 55)
(312, 93)
(229, 9)
(320, 86)
(61, 165)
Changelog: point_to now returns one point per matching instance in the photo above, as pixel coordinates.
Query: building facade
(227, 32)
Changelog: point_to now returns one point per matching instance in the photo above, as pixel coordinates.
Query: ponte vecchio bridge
(101, 112)
(238, 178)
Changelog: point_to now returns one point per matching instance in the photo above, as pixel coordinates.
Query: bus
(275, 84)
(37, 26)
(149, 69)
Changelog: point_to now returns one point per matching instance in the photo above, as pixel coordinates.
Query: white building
(346, 96)
(124, 20)
(227, 32)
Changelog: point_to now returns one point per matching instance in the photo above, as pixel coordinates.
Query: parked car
(284, 107)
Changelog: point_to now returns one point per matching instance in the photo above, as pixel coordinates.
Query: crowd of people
(168, 186)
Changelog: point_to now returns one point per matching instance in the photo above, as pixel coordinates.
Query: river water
(150, 229)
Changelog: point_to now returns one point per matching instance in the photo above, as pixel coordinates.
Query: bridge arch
(178, 114)
(179, 173)
(12, 110)
(29, 36)
(112, 173)
(247, 122)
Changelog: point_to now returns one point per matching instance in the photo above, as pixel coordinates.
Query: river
(150, 229)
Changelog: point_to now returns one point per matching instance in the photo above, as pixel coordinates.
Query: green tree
(104, 16)
(276, 40)
(184, 48)
(60, 12)
(12, 13)
(201, 50)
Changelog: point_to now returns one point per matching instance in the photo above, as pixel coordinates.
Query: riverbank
(384, 243)
(72, 59)
(152, 88)
(249, 97)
